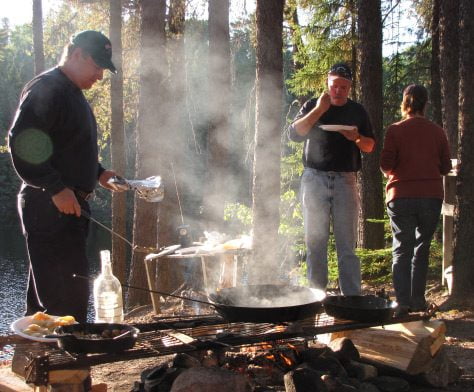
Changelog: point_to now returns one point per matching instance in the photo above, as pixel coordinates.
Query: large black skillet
(267, 303)
(363, 308)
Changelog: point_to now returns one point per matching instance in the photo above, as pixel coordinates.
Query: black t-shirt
(331, 151)
(53, 138)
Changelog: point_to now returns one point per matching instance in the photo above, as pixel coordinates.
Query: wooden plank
(409, 347)
(68, 376)
(10, 382)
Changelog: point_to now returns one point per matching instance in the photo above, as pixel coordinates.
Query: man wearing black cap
(334, 130)
(53, 144)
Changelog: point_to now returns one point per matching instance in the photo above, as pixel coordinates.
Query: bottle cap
(105, 255)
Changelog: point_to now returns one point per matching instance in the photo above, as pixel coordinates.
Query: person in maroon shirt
(415, 155)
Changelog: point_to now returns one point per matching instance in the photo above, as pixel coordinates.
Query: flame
(271, 357)
(287, 360)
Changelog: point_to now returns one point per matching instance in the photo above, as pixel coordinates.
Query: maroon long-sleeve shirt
(415, 155)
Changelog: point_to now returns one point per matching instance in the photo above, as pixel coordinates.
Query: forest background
(189, 103)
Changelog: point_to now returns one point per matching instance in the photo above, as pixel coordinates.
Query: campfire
(270, 366)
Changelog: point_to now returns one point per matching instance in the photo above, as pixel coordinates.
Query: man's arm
(303, 125)
(365, 143)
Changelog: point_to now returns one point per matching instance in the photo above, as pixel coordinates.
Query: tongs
(150, 189)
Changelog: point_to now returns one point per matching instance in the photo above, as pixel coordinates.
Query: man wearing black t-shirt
(334, 130)
(53, 144)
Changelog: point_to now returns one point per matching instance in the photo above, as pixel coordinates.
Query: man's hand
(105, 177)
(304, 124)
(324, 102)
(66, 202)
(351, 135)
(365, 144)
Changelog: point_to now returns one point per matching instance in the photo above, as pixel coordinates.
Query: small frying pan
(363, 308)
(86, 338)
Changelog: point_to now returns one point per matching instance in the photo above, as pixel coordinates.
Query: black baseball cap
(97, 45)
(342, 70)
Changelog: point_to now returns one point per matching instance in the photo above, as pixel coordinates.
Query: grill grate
(208, 332)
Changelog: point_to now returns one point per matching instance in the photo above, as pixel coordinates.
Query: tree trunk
(172, 140)
(463, 271)
(38, 36)
(268, 126)
(117, 141)
(435, 95)
(371, 190)
(354, 62)
(449, 65)
(152, 73)
(218, 141)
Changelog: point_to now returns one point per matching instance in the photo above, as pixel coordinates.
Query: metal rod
(151, 291)
(88, 216)
(177, 193)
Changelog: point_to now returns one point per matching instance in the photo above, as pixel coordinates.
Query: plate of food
(336, 128)
(39, 325)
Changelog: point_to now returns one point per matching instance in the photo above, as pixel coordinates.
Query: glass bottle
(108, 302)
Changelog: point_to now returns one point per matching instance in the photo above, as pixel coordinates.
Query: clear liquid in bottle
(108, 302)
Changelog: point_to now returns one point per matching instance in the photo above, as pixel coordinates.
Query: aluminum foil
(150, 189)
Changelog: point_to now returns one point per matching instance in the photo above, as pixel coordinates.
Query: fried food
(44, 324)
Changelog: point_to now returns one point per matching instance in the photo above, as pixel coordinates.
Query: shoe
(401, 310)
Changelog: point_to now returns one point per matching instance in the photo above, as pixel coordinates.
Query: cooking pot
(96, 337)
(364, 308)
(267, 303)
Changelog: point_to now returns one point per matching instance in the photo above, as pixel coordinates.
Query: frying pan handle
(153, 291)
(63, 336)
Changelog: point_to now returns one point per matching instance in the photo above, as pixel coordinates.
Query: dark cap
(97, 45)
(342, 70)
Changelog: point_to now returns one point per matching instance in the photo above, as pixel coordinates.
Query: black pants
(57, 249)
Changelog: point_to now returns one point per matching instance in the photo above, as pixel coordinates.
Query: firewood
(409, 347)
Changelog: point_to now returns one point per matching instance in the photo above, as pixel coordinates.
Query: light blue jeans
(326, 197)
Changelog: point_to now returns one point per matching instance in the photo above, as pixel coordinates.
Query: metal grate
(208, 332)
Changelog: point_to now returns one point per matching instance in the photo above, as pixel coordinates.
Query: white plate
(335, 128)
(19, 325)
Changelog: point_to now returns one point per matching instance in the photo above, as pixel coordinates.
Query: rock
(304, 380)
(334, 384)
(200, 379)
(185, 361)
(361, 371)
(443, 371)
(368, 387)
(159, 378)
(391, 384)
(324, 360)
(344, 350)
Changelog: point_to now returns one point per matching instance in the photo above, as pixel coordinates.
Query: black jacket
(53, 137)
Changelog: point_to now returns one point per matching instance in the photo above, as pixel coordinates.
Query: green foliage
(404, 68)
(326, 39)
(239, 217)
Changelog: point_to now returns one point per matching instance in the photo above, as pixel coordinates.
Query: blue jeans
(326, 196)
(413, 222)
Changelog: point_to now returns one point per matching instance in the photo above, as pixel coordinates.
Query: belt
(84, 195)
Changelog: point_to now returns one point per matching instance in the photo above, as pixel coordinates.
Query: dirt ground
(459, 344)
